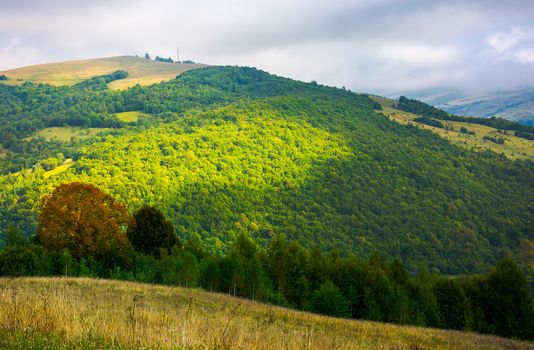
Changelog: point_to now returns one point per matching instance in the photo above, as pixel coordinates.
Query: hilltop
(83, 313)
(140, 71)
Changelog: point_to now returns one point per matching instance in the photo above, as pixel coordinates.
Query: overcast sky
(365, 45)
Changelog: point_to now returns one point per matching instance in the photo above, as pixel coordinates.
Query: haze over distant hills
(517, 105)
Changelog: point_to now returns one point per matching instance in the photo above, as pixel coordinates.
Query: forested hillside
(227, 149)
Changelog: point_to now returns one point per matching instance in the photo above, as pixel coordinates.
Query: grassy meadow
(83, 313)
(129, 117)
(67, 133)
(513, 147)
(140, 71)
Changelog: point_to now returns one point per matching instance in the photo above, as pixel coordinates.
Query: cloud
(503, 41)
(360, 44)
(525, 56)
(420, 55)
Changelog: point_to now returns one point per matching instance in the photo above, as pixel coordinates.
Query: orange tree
(85, 221)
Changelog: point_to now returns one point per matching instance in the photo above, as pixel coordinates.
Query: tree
(13, 236)
(328, 300)
(187, 270)
(65, 259)
(210, 275)
(509, 307)
(277, 262)
(297, 275)
(379, 295)
(147, 56)
(243, 246)
(85, 221)
(20, 260)
(232, 272)
(254, 276)
(150, 232)
(452, 302)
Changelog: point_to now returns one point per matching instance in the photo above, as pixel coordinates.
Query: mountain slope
(140, 71)
(467, 134)
(228, 148)
(517, 105)
(124, 315)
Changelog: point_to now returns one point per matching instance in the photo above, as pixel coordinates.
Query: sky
(364, 45)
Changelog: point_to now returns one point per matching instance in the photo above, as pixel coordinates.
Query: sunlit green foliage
(230, 149)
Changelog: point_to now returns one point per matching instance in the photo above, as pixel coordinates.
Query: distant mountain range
(517, 105)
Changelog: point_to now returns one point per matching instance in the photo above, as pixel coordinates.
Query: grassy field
(130, 116)
(513, 147)
(58, 170)
(140, 71)
(69, 313)
(67, 133)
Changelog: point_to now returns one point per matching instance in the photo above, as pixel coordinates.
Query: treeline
(283, 273)
(167, 60)
(420, 108)
(430, 122)
(101, 81)
(427, 111)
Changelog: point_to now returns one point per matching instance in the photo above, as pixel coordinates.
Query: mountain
(517, 105)
(105, 314)
(511, 139)
(140, 71)
(226, 149)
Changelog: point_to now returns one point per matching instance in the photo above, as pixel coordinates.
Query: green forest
(85, 232)
(227, 149)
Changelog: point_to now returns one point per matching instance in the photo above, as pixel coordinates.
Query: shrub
(328, 300)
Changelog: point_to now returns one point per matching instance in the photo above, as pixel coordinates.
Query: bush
(328, 300)
(430, 122)
(21, 260)
(498, 140)
(466, 131)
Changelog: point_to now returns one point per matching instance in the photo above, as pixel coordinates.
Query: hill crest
(140, 71)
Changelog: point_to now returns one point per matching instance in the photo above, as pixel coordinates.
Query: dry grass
(513, 147)
(148, 316)
(140, 71)
(59, 169)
